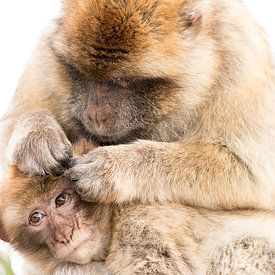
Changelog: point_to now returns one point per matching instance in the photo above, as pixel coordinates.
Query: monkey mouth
(114, 138)
(73, 254)
(77, 258)
(81, 254)
(78, 253)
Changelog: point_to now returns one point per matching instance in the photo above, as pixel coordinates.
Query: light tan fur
(173, 239)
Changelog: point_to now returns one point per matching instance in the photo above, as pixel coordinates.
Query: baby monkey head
(45, 219)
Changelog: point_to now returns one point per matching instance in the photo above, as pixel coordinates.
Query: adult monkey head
(125, 62)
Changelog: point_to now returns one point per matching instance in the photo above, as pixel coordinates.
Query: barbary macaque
(58, 233)
(182, 90)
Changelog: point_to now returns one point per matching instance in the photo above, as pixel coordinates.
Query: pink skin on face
(62, 225)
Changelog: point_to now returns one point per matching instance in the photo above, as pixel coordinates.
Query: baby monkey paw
(93, 175)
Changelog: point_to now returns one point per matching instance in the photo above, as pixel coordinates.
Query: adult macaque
(57, 233)
(193, 79)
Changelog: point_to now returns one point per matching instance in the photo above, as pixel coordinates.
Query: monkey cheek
(80, 256)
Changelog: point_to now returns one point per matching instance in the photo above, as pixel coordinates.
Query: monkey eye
(61, 199)
(36, 217)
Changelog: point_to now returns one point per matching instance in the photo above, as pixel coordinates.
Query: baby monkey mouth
(73, 252)
(78, 254)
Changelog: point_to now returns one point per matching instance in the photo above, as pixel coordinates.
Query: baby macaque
(58, 233)
(45, 220)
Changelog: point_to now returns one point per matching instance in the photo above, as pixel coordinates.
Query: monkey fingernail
(73, 162)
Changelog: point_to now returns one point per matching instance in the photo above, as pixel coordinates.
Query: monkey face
(59, 222)
(123, 61)
(118, 111)
(48, 221)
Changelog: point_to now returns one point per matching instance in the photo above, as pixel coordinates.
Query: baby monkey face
(47, 217)
(59, 220)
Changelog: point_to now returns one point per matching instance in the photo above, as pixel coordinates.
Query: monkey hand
(39, 146)
(92, 174)
(116, 173)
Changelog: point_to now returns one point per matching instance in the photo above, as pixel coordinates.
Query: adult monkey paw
(93, 174)
(113, 173)
(39, 146)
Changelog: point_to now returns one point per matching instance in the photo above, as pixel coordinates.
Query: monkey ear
(191, 18)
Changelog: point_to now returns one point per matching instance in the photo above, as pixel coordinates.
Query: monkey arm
(37, 107)
(199, 174)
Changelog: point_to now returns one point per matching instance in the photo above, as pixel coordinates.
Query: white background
(21, 22)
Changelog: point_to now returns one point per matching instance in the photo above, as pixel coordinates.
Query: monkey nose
(63, 236)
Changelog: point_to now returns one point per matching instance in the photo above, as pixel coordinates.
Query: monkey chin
(86, 252)
(80, 256)
(111, 136)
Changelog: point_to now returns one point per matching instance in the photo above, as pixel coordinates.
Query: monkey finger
(48, 164)
(71, 175)
(87, 193)
(62, 155)
(56, 170)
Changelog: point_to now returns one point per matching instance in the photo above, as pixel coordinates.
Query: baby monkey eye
(61, 199)
(36, 217)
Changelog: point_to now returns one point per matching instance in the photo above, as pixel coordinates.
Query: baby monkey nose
(63, 235)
